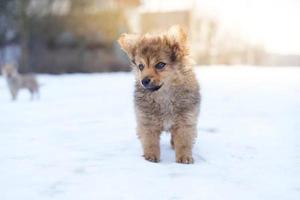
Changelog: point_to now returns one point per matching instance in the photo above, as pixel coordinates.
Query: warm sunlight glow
(274, 23)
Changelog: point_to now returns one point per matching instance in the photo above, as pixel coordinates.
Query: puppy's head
(9, 71)
(157, 59)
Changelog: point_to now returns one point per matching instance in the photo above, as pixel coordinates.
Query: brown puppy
(166, 91)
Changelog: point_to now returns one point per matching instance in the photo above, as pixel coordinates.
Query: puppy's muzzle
(149, 85)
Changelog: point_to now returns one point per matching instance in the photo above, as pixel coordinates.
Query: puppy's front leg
(150, 137)
(183, 137)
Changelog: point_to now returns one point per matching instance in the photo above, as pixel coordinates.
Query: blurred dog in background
(16, 81)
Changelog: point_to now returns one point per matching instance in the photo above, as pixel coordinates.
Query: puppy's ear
(128, 43)
(178, 33)
(178, 42)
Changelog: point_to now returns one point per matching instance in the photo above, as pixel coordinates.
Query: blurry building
(210, 43)
(65, 36)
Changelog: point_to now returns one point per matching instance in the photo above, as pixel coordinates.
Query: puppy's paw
(151, 157)
(185, 159)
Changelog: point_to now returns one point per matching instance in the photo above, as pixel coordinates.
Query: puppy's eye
(141, 67)
(160, 65)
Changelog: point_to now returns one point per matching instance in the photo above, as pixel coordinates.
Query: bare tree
(23, 24)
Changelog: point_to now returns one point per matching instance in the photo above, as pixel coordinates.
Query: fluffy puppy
(167, 94)
(16, 81)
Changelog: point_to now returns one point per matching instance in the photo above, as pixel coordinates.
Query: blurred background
(68, 36)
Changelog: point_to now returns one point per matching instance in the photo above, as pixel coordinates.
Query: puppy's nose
(146, 81)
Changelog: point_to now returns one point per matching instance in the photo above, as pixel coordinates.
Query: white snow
(78, 141)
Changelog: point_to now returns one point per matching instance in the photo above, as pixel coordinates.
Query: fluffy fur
(16, 81)
(171, 102)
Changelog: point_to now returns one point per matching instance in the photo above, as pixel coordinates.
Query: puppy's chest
(166, 104)
(167, 107)
(13, 82)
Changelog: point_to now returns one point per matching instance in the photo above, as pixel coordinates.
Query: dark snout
(148, 84)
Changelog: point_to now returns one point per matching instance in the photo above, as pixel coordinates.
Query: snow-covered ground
(78, 141)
